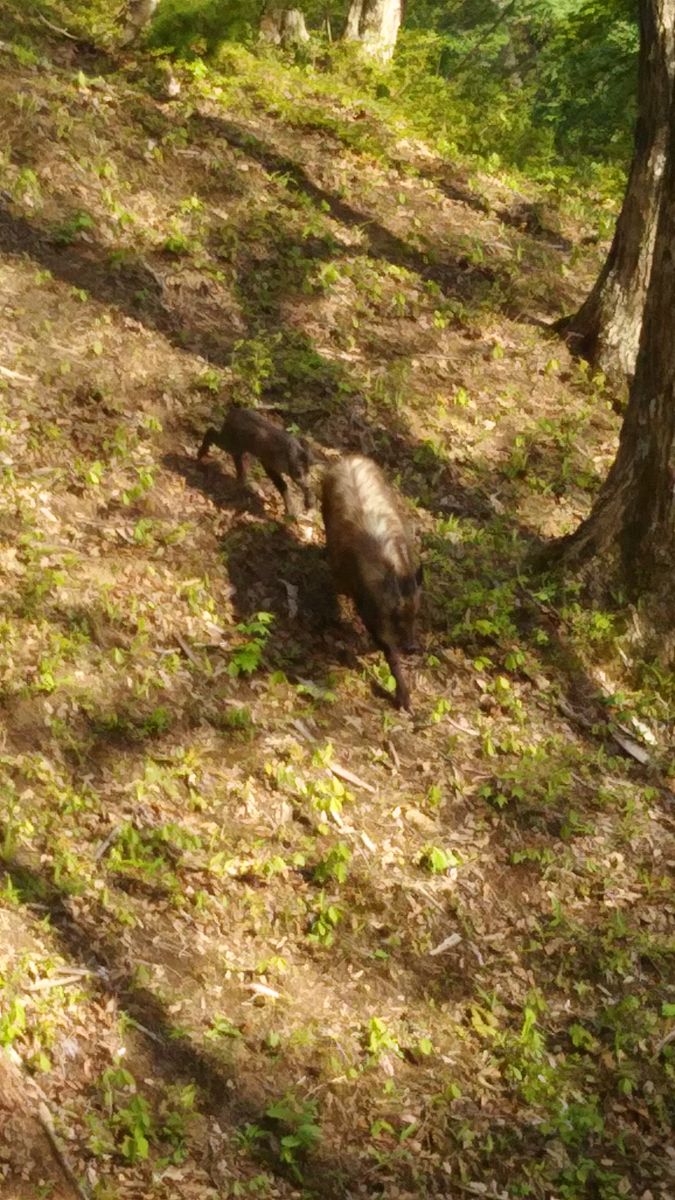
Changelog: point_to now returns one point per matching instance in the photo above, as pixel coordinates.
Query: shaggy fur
(372, 556)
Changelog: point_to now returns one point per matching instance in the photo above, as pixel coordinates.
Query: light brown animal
(372, 556)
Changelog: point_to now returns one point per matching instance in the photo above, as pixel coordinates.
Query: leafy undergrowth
(262, 935)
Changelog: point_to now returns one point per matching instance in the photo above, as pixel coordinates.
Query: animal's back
(252, 430)
(363, 517)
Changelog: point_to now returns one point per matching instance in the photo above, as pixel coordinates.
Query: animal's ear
(419, 575)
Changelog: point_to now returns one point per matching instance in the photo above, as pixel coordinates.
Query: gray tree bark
(138, 15)
(294, 29)
(606, 329)
(283, 26)
(271, 23)
(375, 24)
(635, 509)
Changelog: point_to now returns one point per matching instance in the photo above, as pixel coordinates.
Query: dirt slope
(262, 935)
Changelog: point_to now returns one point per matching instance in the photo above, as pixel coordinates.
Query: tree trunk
(285, 26)
(352, 31)
(375, 24)
(508, 56)
(139, 13)
(271, 23)
(606, 329)
(293, 29)
(635, 509)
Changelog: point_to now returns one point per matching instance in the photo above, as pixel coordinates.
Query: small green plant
(298, 1118)
(437, 861)
(249, 1135)
(92, 473)
(209, 380)
(156, 723)
(27, 186)
(129, 1122)
(247, 657)
(222, 1027)
(379, 1039)
(176, 1108)
(324, 922)
(12, 1022)
(69, 231)
(145, 482)
(180, 243)
(253, 362)
(335, 865)
(144, 532)
(240, 719)
(434, 795)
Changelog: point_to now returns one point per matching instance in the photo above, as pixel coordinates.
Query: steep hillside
(260, 934)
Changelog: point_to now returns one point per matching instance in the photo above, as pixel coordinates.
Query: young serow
(372, 556)
(245, 432)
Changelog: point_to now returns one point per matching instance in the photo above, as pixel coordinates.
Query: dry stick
(107, 842)
(665, 1041)
(349, 777)
(186, 649)
(56, 29)
(45, 1119)
(53, 981)
(341, 772)
(161, 283)
(154, 1037)
(565, 708)
(17, 375)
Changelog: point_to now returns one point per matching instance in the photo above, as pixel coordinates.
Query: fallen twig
(154, 1037)
(53, 981)
(468, 729)
(57, 29)
(629, 744)
(349, 777)
(31, 1100)
(107, 842)
(335, 769)
(261, 989)
(291, 599)
(186, 650)
(16, 375)
(302, 729)
(665, 1041)
(447, 944)
(45, 1119)
(161, 283)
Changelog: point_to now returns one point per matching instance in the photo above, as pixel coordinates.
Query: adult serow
(246, 432)
(373, 559)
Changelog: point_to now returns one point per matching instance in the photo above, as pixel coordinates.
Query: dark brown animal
(245, 432)
(372, 557)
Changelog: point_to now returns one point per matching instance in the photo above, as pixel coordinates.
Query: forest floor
(260, 934)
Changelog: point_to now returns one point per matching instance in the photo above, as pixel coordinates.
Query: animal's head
(402, 599)
(305, 456)
(308, 457)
